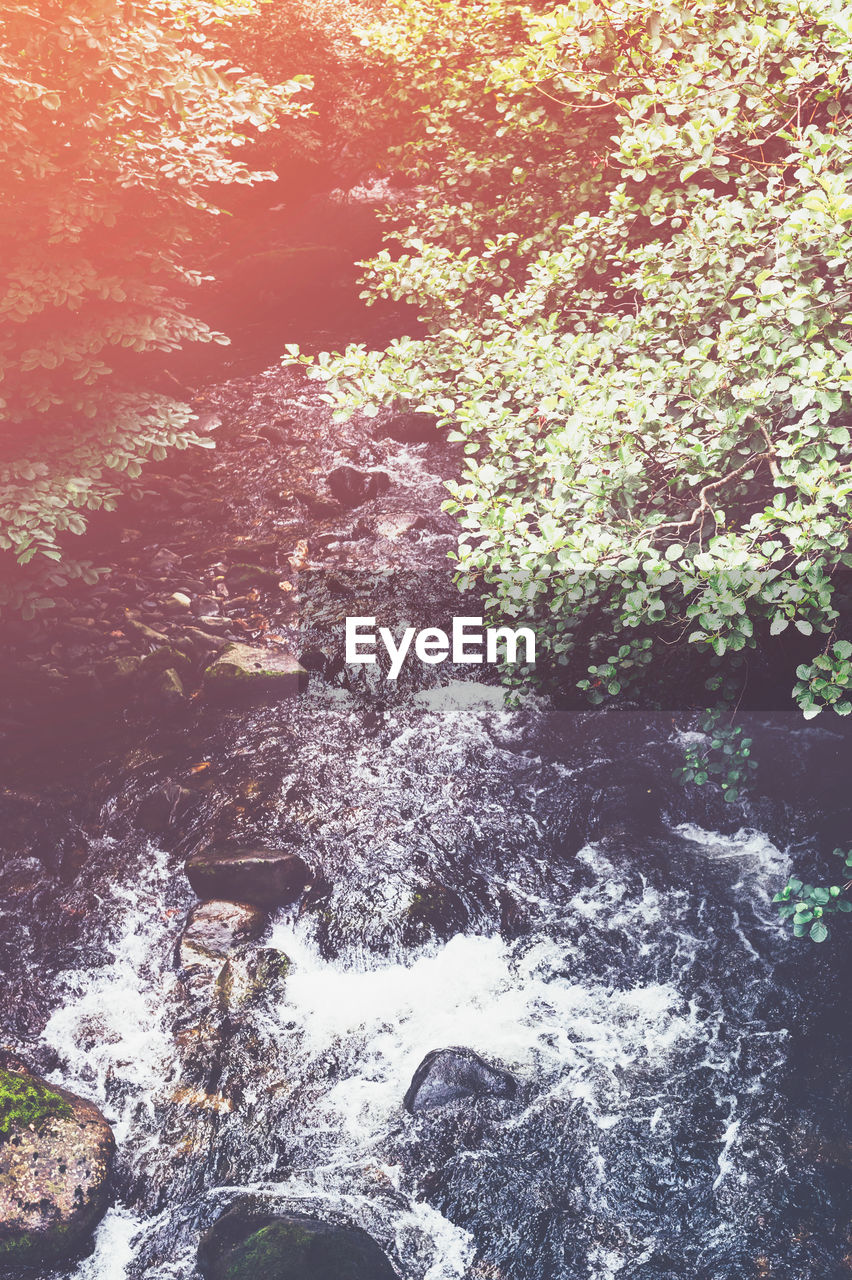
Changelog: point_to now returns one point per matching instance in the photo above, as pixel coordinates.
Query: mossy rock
(166, 690)
(434, 911)
(114, 672)
(288, 1246)
(26, 1102)
(248, 978)
(242, 577)
(56, 1153)
(167, 658)
(244, 673)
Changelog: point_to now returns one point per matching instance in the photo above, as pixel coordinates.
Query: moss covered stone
(243, 672)
(242, 577)
(244, 1245)
(55, 1156)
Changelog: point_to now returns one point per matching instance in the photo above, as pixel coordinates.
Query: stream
(683, 1066)
(501, 874)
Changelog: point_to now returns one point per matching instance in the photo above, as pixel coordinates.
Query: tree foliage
(631, 244)
(118, 120)
(346, 132)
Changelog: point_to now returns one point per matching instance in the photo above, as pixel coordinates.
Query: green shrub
(347, 131)
(631, 244)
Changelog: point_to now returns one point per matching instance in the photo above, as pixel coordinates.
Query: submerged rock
(445, 1075)
(288, 1246)
(434, 910)
(632, 804)
(160, 808)
(318, 505)
(243, 672)
(265, 878)
(216, 928)
(351, 487)
(55, 1156)
(245, 978)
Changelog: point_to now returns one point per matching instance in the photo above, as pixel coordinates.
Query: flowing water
(526, 882)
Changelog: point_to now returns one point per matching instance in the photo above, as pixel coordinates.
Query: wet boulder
(56, 1153)
(160, 808)
(445, 1075)
(244, 1245)
(242, 672)
(245, 979)
(215, 929)
(266, 878)
(351, 486)
(434, 911)
(410, 428)
(401, 524)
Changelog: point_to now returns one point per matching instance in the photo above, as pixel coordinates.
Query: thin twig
(773, 466)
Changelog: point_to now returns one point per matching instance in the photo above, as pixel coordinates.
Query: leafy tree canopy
(631, 244)
(118, 119)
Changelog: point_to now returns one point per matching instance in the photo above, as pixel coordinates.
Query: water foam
(110, 1028)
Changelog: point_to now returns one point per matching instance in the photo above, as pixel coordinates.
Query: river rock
(434, 910)
(115, 672)
(145, 632)
(318, 504)
(166, 658)
(244, 1245)
(399, 524)
(160, 808)
(248, 977)
(282, 431)
(204, 642)
(55, 1157)
(410, 428)
(265, 878)
(445, 1075)
(351, 486)
(242, 671)
(216, 928)
(167, 690)
(242, 577)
